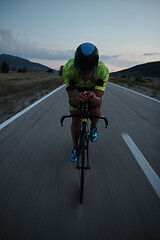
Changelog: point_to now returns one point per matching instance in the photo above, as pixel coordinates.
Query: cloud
(10, 44)
(151, 54)
(106, 57)
(119, 61)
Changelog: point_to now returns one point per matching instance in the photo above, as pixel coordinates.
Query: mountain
(151, 69)
(16, 62)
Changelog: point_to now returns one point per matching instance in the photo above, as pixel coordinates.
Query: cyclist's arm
(95, 97)
(102, 76)
(99, 96)
(101, 85)
(68, 74)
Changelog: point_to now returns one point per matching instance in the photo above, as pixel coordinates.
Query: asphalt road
(39, 186)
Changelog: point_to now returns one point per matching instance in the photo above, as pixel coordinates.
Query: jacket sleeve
(103, 76)
(69, 76)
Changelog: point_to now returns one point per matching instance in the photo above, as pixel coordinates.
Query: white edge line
(4, 124)
(153, 99)
(145, 166)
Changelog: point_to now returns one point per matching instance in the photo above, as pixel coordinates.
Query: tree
(60, 71)
(4, 67)
(24, 70)
(19, 70)
(50, 70)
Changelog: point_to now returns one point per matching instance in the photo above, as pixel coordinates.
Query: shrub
(50, 71)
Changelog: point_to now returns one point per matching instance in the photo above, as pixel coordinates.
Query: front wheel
(82, 171)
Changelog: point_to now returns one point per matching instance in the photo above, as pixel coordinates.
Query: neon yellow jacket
(72, 78)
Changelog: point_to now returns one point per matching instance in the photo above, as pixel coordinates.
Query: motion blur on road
(39, 186)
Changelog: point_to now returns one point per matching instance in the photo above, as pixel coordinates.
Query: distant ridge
(151, 69)
(15, 63)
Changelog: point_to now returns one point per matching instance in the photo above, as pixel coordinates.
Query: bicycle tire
(87, 153)
(82, 170)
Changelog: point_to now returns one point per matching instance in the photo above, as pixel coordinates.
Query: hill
(151, 69)
(16, 62)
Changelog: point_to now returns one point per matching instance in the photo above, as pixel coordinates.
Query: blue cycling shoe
(74, 155)
(93, 134)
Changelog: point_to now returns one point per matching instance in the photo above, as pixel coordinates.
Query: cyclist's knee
(75, 120)
(95, 111)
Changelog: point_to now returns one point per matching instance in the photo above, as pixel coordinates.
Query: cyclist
(85, 78)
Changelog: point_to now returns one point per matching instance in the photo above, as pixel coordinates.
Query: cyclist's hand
(91, 96)
(82, 96)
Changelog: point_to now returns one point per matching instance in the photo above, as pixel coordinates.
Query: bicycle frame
(82, 164)
(84, 140)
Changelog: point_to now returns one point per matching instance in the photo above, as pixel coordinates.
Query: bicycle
(83, 145)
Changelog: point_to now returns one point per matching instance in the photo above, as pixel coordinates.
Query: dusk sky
(126, 32)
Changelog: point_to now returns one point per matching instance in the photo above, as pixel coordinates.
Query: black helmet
(86, 57)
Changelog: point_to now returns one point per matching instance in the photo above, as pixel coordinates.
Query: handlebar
(83, 116)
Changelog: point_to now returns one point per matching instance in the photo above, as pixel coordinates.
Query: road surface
(39, 186)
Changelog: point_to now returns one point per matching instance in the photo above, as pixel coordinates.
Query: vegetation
(146, 85)
(144, 78)
(60, 71)
(22, 70)
(151, 69)
(16, 63)
(50, 71)
(18, 90)
(4, 67)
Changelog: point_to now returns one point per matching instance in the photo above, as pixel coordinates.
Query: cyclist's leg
(96, 112)
(93, 128)
(75, 128)
(75, 125)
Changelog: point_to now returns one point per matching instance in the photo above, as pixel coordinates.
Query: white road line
(145, 166)
(4, 124)
(153, 99)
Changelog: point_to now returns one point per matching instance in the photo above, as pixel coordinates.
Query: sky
(126, 32)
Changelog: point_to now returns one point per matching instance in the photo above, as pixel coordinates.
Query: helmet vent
(87, 48)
